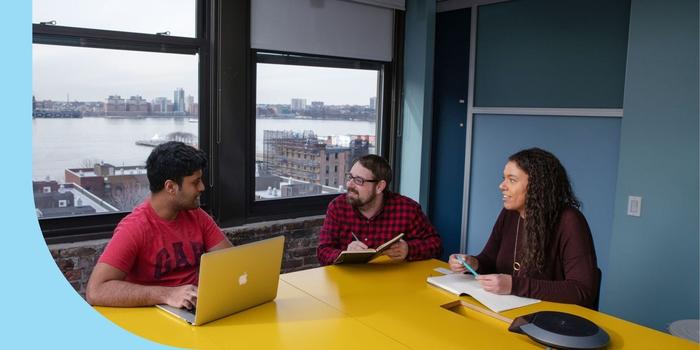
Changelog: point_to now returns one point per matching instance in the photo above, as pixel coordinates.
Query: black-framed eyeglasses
(358, 180)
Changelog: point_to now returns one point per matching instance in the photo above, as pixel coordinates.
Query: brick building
(123, 187)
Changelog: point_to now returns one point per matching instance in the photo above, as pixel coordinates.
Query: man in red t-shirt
(369, 215)
(153, 257)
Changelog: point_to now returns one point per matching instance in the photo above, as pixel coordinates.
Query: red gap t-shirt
(153, 251)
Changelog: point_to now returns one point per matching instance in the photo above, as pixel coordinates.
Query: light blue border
(43, 309)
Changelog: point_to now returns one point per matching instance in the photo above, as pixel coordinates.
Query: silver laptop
(234, 279)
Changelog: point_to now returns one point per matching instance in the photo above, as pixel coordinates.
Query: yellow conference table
(294, 320)
(381, 305)
(396, 299)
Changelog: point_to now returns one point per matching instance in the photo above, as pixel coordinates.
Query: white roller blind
(323, 27)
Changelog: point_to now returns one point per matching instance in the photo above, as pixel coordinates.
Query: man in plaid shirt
(369, 215)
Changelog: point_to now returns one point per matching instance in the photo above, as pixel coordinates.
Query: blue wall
(587, 147)
(449, 126)
(418, 100)
(653, 274)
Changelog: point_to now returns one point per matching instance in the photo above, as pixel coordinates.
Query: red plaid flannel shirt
(398, 214)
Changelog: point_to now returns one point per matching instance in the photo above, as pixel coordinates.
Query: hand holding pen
(494, 283)
(462, 263)
(356, 244)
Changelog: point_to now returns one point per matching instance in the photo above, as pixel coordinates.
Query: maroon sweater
(570, 272)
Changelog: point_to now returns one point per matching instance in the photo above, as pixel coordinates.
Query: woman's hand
(457, 266)
(496, 283)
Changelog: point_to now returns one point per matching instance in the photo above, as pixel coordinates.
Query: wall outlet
(634, 206)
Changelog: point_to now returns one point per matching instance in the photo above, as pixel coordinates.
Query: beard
(356, 201)
(188, 204)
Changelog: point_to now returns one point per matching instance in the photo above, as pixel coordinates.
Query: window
(169, 77)
(111, 79)
(99, 135)
(313, 108)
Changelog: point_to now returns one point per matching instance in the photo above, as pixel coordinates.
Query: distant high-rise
(317, 105)
(373, 103)
(298, 104)
(115, 103)
(179, 100)
(138, 104)
(160, 104)
(190, 104)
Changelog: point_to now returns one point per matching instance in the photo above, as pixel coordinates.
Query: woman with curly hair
(540, 246)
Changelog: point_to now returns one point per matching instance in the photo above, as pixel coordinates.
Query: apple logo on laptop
(243, 279)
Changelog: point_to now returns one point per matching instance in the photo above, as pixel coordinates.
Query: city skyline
(126, 97)
(273, 82)
(156, 99)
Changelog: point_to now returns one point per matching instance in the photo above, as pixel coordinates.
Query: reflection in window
(311, 123)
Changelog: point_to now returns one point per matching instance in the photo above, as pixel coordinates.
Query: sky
(276, 84)
(72, 73)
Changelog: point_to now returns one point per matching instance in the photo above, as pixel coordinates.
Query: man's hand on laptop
(182, 296)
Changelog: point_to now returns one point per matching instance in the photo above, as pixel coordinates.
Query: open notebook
(363, 256)
(462, 284)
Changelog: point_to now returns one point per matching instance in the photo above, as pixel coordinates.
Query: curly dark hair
(173, 161)
(549, 193)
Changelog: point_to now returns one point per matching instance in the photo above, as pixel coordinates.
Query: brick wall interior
(76, 260)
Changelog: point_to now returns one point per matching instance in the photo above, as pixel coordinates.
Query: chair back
(596, 300)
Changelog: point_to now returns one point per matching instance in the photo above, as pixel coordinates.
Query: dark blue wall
(451, 83)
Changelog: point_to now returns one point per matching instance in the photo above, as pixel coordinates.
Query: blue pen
(459, 258)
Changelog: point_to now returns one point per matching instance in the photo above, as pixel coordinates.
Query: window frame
(309, 205)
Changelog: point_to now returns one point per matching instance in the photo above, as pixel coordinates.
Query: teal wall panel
(654, 264)
(545, 53)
